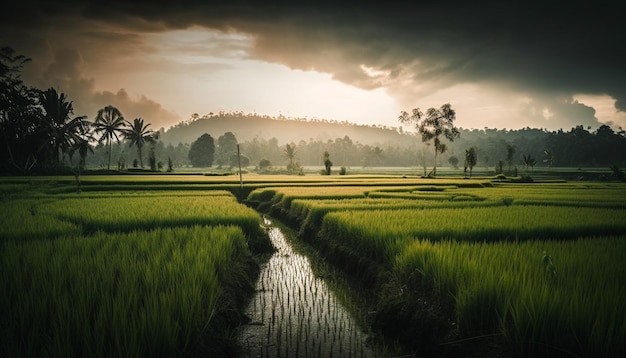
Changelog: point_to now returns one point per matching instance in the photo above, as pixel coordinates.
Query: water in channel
(295, 314)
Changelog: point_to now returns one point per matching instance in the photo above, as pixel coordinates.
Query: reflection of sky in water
(294, 313)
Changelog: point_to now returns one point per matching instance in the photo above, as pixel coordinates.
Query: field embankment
(476, 268)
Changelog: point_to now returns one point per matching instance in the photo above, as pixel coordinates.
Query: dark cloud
(555, 49)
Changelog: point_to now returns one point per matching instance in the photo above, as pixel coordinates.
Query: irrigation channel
(294, 313)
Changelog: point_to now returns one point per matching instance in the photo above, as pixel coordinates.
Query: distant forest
(39, 134)
(264, 138)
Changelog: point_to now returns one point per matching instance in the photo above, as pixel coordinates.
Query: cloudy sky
(500, 64)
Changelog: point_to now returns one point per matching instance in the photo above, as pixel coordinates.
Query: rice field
(161, 265)
(142, 293)
(125, 273)
(538, 269)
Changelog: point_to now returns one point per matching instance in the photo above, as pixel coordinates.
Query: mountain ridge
(285, 130)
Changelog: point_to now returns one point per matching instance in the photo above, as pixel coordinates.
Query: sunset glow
(169, 62)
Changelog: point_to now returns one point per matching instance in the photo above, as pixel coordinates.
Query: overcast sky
(500, 64)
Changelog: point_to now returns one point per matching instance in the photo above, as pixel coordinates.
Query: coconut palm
(109, 122)
(62, 132)
(290, 153)
(470, 160)
(82, 146)
(138, 134)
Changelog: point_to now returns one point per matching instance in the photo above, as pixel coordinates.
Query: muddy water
(295, 314)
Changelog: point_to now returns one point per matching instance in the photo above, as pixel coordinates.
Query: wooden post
(240, 174)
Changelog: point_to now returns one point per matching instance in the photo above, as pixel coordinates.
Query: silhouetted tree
(59, 131)
(528, 161)
(138, 134)
(548, 158)
(19, 115)
(454, 161)
(290, 154)
(327, 163)
(470, 160)
(201, 151)
(109, 123)
(264, 164)
(226, 149)
(510, 150)
(433, 125)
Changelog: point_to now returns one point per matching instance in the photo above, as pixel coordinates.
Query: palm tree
(470, 160)
(63, 132)
(138, 134)
(529, 161)
(109, 122)
(290, 153)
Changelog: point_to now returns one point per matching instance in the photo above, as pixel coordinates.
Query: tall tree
(62, 131)
(290, 154)
(434, 125)
(226, 149)
(510, 150)
(470, 160)
(138, 134)
(327, 163)
(528, 161)
(201, 151)
(109, 123)
(19, 115)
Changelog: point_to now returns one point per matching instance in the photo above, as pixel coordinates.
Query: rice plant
(513, 288)
(142, 293)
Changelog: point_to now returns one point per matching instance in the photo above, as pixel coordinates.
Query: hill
(285, 130)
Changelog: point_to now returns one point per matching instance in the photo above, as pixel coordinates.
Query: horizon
(405, 128)
(501, 66)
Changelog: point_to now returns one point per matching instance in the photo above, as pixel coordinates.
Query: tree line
(41, 134)
(40, 131)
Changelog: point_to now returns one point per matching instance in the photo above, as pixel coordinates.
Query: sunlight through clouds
(219, 75)
(605, 109)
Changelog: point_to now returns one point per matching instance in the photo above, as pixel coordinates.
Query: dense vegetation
(447, 266)
(124, 273)
(41, 134)
(354, 145)
(476, 267)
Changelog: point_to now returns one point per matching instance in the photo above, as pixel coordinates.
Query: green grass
(124, 273)
(505, 288)
(142, 293)
(480, 250)
(477, 245)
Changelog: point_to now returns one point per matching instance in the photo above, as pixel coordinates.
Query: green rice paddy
(152, 265)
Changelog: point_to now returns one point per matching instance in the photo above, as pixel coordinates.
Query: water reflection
(294, 313)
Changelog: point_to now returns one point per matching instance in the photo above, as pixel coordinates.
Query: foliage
(139, 273)
(36, 126)
(470, 160)
(528, 161)
(138, 134)
(201, 151)
(293, 167)
(327, 163)
(433, 125)
(226, 150)
(65, 133)
(264, 164)
(143, 293)
(109, 123)
(514, 272)
(454, 161)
